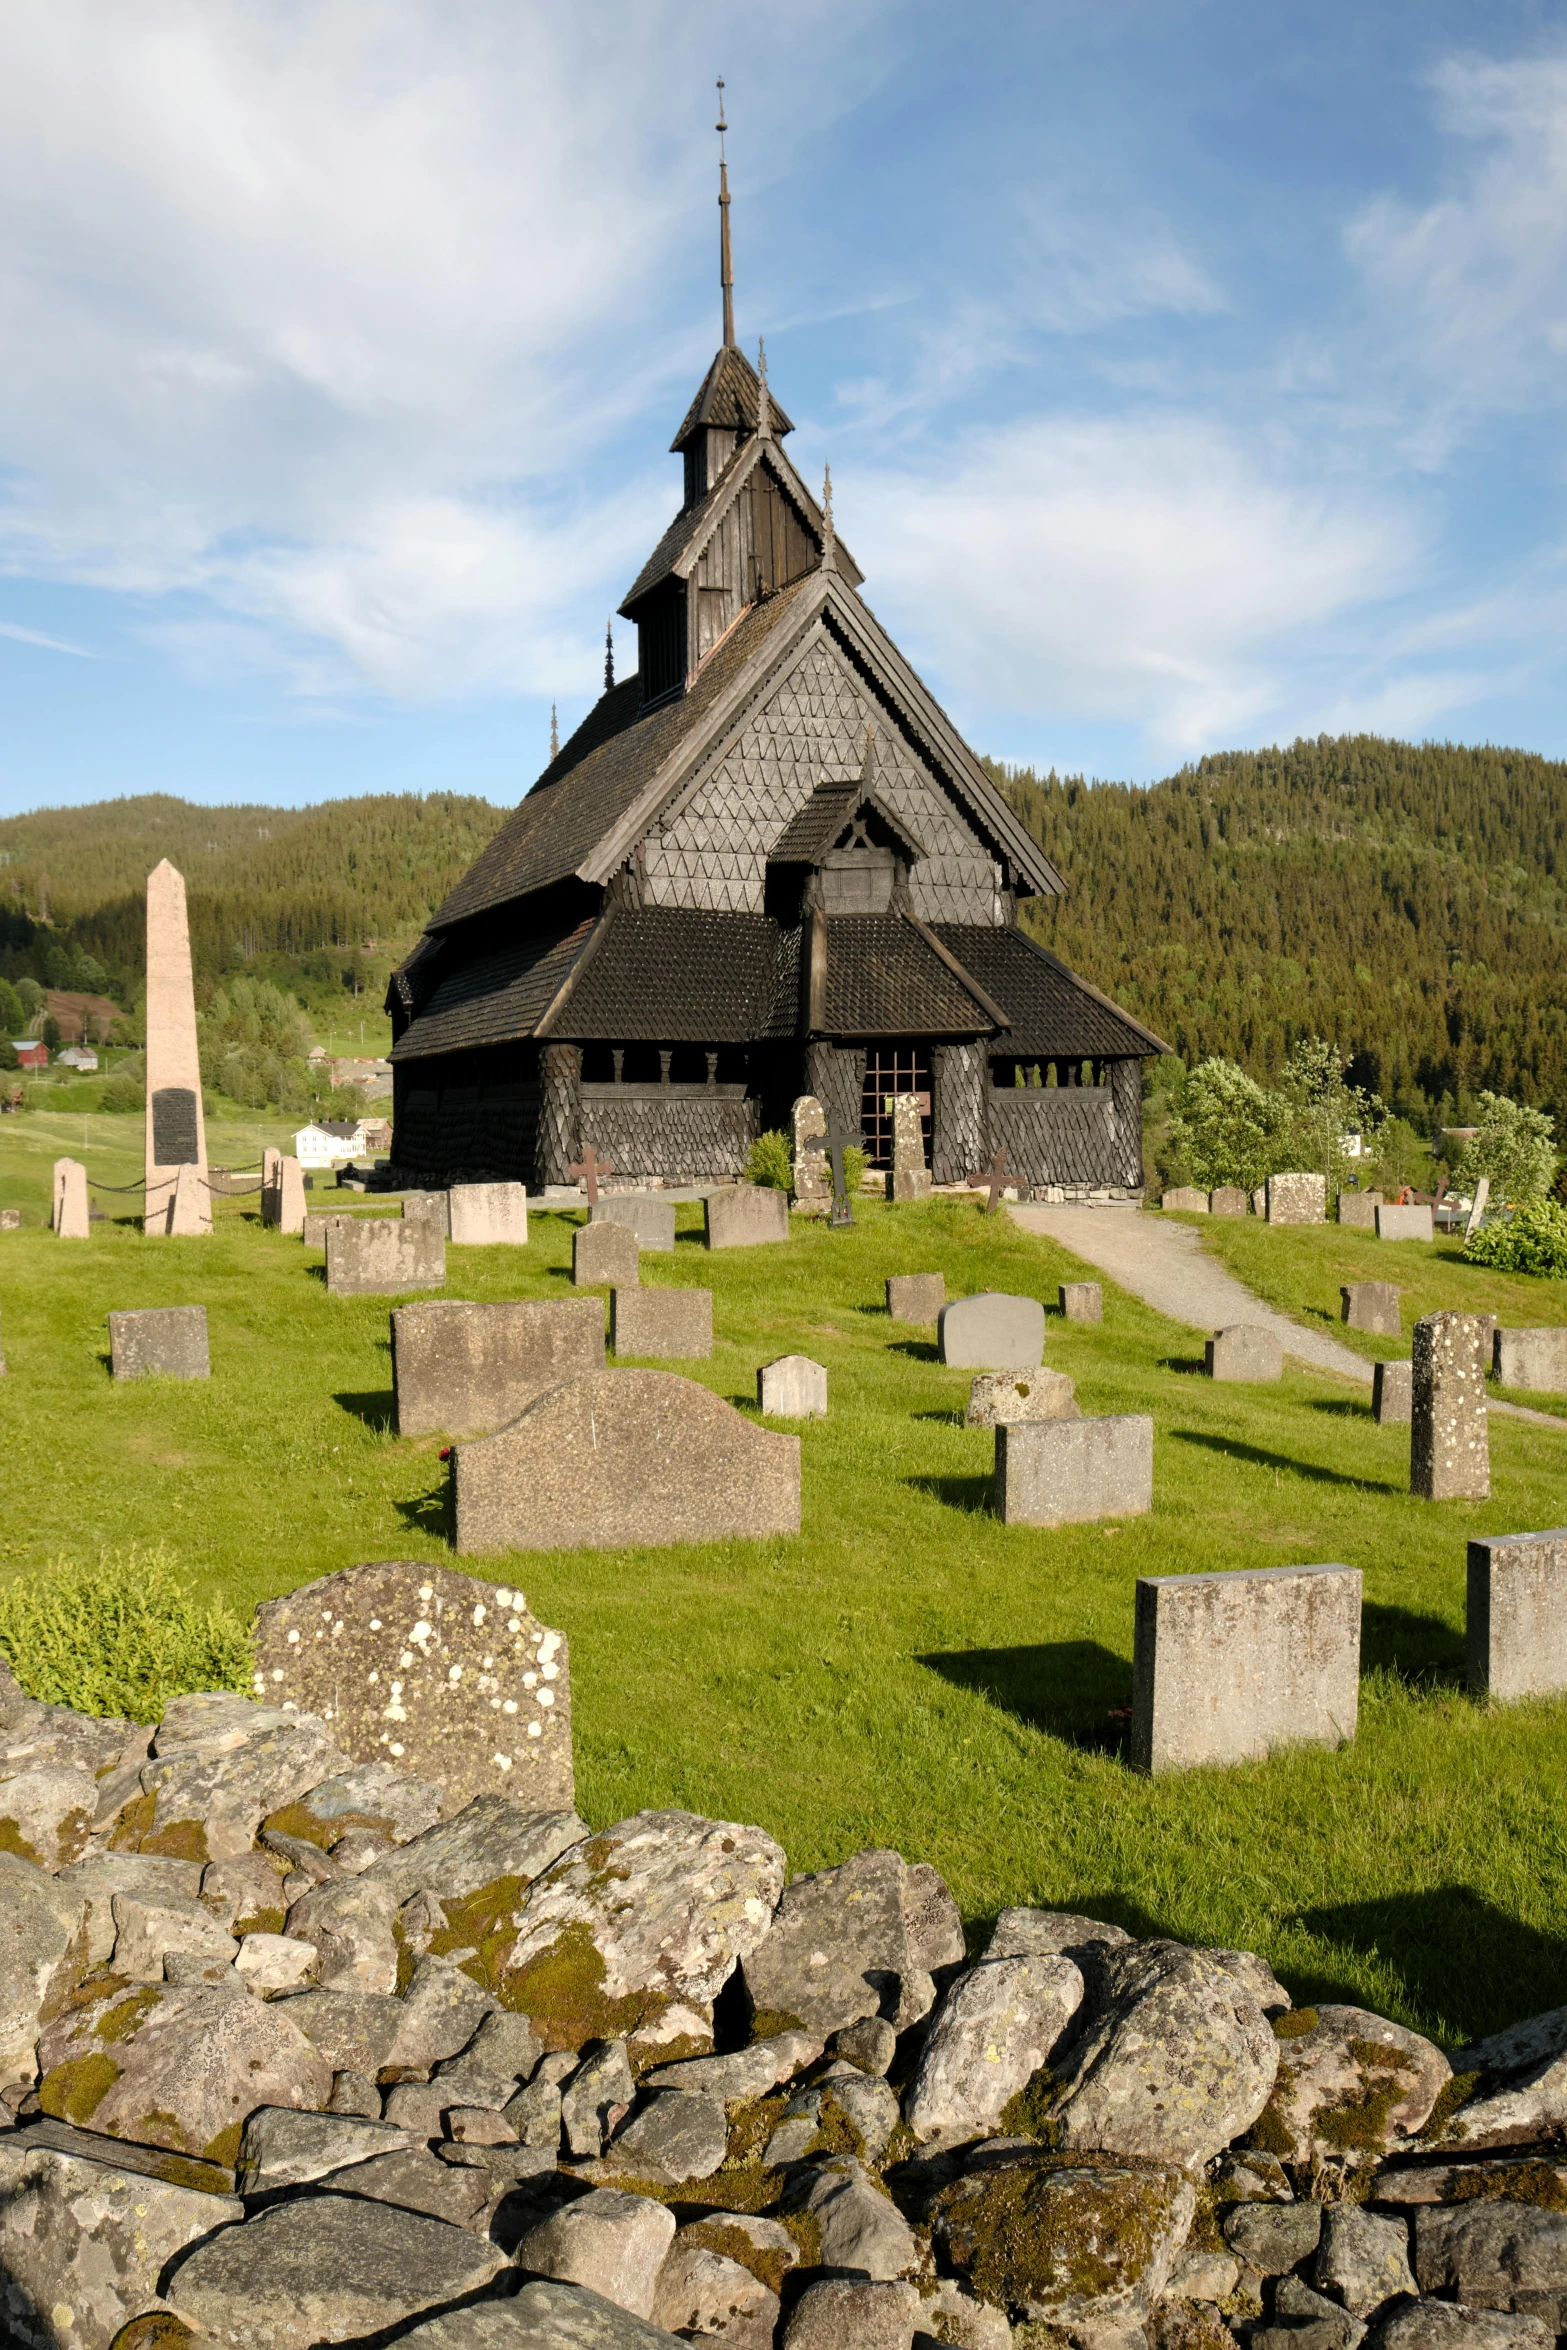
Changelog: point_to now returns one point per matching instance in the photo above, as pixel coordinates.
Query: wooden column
(560, 1111)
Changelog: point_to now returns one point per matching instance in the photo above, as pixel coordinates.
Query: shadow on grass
(922, 1350)
(428, 1513)
(952, 1418)
(1190, 1366)
(1313, 1471)
(972, 1494)
(1422, 1651)
(1342, 1408)
(1073, 1690)
(1458, 1955)
(377, 1407)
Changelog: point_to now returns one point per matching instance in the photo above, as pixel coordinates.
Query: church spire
(554, 735)
(726, 270)
(829, 537)
(764, 406)
(609, 656)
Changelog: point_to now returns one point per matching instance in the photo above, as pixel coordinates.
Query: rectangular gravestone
(464, 1370)
(282, 1194)
(1185, 1201)
(430, 1671)
(1392, 1394)
(910, 1175)
(1067, 1472)
(992, 1332)
(487, 1215)
(625, 1459)
(1297, 1199)
(1082, 1301)
(1228, 1200)
(1516, 1621)
(1411, 1223)
(1449, 1452)
(378, 1256)
(812, 1174)
(1226, 1668)
(1358, 1209)
(651, 1218)
(68, 1214)
(1532, 1358)
(10, 1219)
(1002, 1398)
(604, 1256)
(746, 1215)
(433, 1206)
(317, 1220)
(792, 1388)
(1244, 1352)
(160, 1341)
(916, 1297)
(1371, 1305)
(668, 1322)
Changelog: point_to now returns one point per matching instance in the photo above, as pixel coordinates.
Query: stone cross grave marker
(1371, 1305)
(69, 1212)
(176, 1135)
(590, 1167)
(1516, 1620)
(1064, 1472)
(467, 1369)
(623, 1459)
(441, 1675)
(159, 1341)
(1449, 1454)
(812, 1183)
(1227, 1667)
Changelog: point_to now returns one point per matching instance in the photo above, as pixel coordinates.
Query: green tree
(1515, 1147)
(12, 1015)
(1228, 1129)
(1323, 1108)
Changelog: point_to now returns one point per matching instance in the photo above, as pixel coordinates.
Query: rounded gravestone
(992, 1332)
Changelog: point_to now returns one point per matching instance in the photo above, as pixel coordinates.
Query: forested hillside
(1409, 904)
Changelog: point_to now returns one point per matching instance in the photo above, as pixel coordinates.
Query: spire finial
(829, 547)
(726, 271)
(764, 406)
(609, 656)
(554, 735)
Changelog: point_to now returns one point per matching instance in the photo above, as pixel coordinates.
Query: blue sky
(1192, 375)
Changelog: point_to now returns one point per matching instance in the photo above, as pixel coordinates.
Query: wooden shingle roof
(729, 398)
(1052, 1012)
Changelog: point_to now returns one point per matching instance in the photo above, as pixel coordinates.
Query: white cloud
(1473, 287)
(50, 644)
(1150, 571)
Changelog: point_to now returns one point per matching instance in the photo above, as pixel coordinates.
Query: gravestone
(167, 1342)
(792, 1388)
(1409, 1223)
(746, 1214)
(1449, 1453)
(1001, 1398)
(1227, 1667)
(1244, 1352)
(1066, 1472)
(271, 1160)
(812, 1176)
(282, 1193)
(1515, 1634)
(910, 1175)
(643, 1212)
(1477, 1207)
(1392, 1394)
(1228, 1200)
(68, 1214)
(616, 1459)
(317, 1221)
(378, 1256)
(429, 1671)
(10, 1219)
(916, 1297)
(487, 1215)
(1371, 1305)
(1358, 1209)
(432, 1206)
(1184, 1200)
(467, 1369)
(992, 1332)
(1259, 1200)
(1532, 1358)
(604, 1256)
(1297, 1199)
(176, 1134)
(669, 1322)
(1082, 1301)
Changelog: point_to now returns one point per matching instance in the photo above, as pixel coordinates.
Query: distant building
(374, 1076)
(76, 1056)
(331, 1143)
(377, 1133)
(30, 1053)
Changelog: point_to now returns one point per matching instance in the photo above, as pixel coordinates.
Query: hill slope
(1409, 903)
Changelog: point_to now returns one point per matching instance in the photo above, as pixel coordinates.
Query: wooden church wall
(761, 544)
(714, 852)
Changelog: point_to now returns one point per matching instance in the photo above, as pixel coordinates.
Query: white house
(331, 1144)
(77, 1056)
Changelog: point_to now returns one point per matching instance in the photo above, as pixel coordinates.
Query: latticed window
(892, 1069)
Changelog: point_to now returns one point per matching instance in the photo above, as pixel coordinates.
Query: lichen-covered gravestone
(1228, 1200)
(1534, 1359)
(661, 1322)
(380, 1256)
(910, 1175)
(1226, 1667)
(812, 1176)
(1392, 1394)
(1516, 1622)
(746, 1215)
(1185, 1201)
(437, 1673)
(604, 1256)
(1067, 1472)
(1405, 1223)
(1449, 1454)
(159, 1341)
(465, 1369)
(1297, 1199)
(999, 1398)
(487, 1215)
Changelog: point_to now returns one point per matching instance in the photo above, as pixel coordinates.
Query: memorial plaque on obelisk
(176, 1131)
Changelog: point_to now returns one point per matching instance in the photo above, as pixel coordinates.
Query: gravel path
(1165, 1264)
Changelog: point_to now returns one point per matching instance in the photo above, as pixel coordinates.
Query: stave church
(764, 865)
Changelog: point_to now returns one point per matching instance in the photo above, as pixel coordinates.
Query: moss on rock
(1048, 2235)
(74, 2090)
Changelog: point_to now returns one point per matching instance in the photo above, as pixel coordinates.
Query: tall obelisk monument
(177, 1197)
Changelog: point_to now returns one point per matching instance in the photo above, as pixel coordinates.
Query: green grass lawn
(1300, 1267)
(908, 1671)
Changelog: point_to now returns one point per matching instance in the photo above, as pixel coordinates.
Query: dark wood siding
(661, 640)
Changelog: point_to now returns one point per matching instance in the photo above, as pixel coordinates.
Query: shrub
(771, 1162)
(1514, 1147)
(123, 1093)
(1228, 1129)
(120, 1637)
(1534, 1240)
